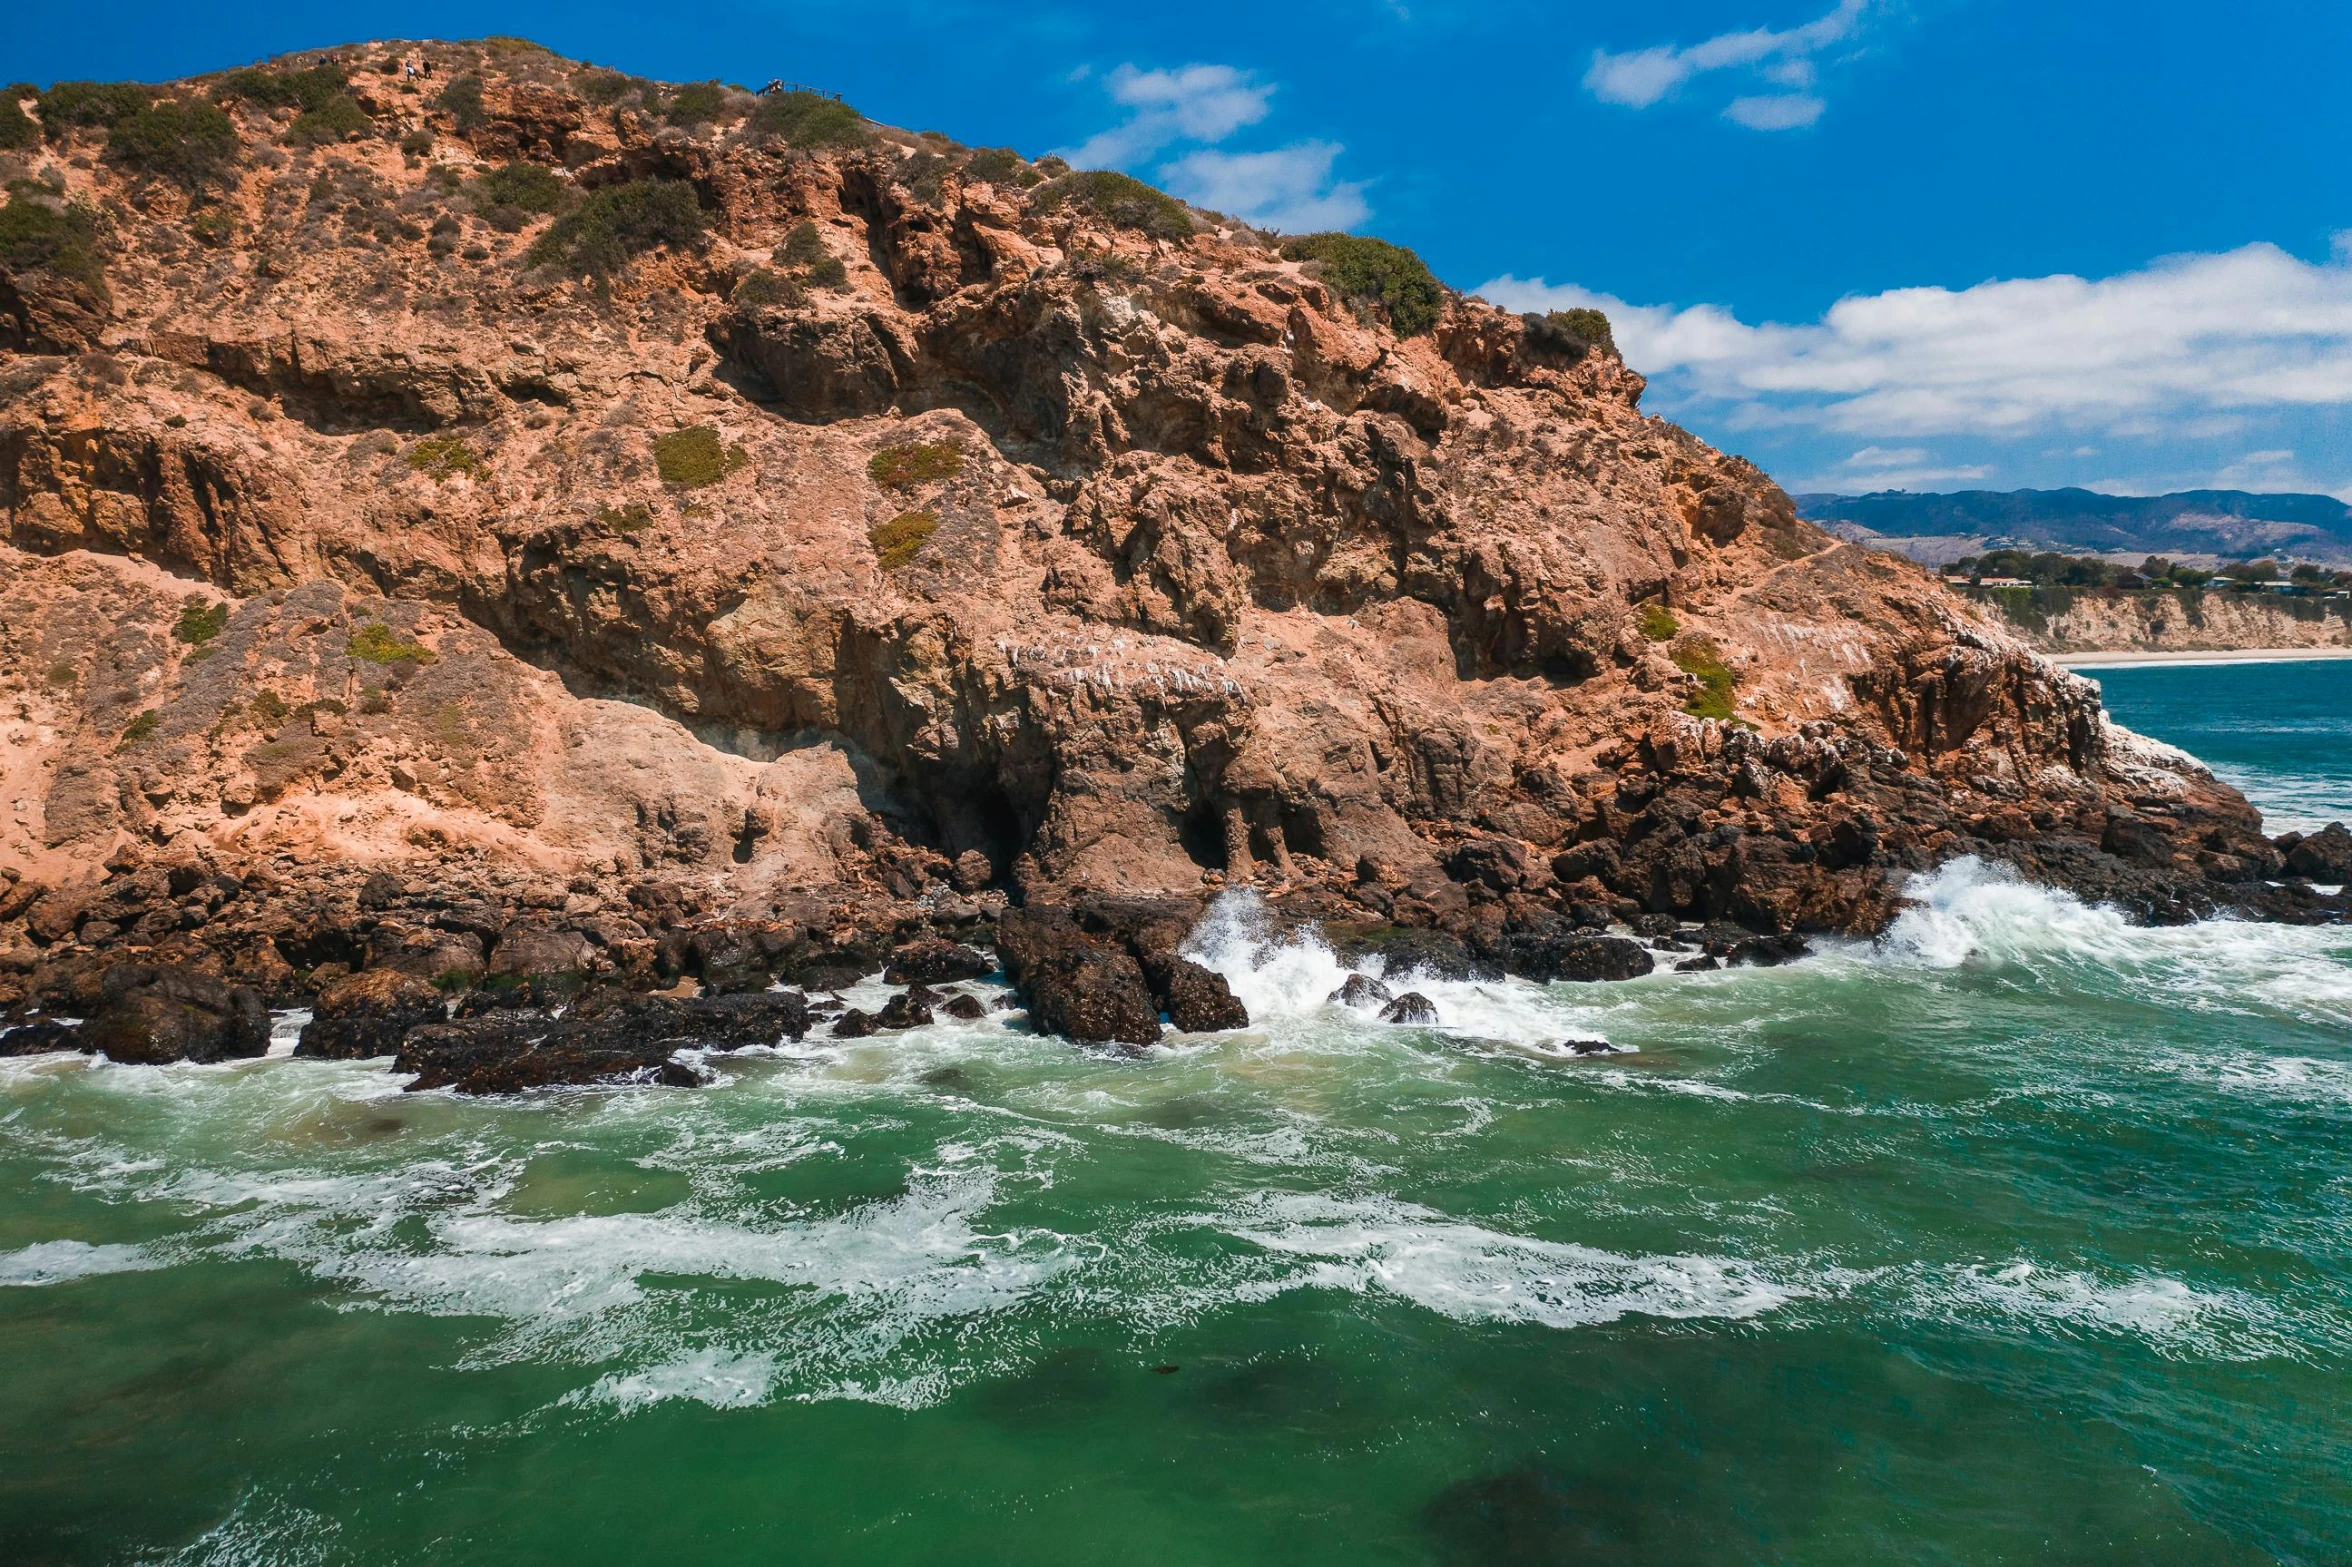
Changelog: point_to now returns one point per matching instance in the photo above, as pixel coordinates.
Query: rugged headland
(484, 532)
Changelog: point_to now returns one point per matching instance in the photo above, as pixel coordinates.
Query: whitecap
(55, 1262)
(716, 1377)
(1471, 1273)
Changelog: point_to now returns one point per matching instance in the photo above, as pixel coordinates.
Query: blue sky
(1930, 244)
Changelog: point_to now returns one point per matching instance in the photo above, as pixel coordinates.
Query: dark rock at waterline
(827, 976)
(368, 1014)
(33, 1039)
(966, 1007)
(936, 963)
(1404, 949)
(1411, 1007)
(1655, 926)
(1704, 963)
(1074, 981)
(149, 1014)
(1767, 951)
(608, 1036)
(1578, 958)
(907, 1009)
(1361, 990)
(1588, 1047)
(2323, 856)
(1196, 999)
(856, 1023)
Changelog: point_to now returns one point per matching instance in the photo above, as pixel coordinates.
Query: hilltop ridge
(528, 515)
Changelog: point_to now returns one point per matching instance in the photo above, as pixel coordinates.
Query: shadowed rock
(368, 1014)
(1361, 990)
(1411, 1007)
(151, 1014)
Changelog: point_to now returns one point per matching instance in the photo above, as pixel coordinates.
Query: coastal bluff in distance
(540, 531)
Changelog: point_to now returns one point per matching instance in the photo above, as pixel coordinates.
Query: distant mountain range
(2232, 523)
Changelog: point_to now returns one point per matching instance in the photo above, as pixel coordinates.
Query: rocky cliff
(2059, 620)
(519, 516)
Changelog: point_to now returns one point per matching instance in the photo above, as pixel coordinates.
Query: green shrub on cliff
(309, 91)
(1119, 199)
(696, 103)
(801, 118)
(695, 457)
(377, 643)
(524, 186)
(763, 287)
(902, 538)
(1656, 622)
(200, 622)
(17, 129)
(35, 235)
(340, 118)
(925, 462)
(1001, 166)
(189, 144)
(1715, 696)
(443, 455)
(613, 225)
(461, 100)
(67, 104)
(1571, 333)
(1374, 276)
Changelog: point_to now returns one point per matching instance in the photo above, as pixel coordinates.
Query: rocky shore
(526, 573)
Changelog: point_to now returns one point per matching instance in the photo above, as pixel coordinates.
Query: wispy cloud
(1199, 103)
(2191, 343)
(1639, 78)
(1293, 187)
(1897, 468)
(1290, 188)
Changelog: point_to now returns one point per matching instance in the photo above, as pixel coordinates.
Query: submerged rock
(1411, 1007)
(150, 1014)
(966, 1007)
(856, 1023)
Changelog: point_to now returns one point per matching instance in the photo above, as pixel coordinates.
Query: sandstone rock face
(367, 606)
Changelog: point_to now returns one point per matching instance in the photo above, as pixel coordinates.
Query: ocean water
(2282, 733)
(2018, 1236)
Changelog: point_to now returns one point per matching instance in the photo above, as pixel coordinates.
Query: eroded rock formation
(381, 593)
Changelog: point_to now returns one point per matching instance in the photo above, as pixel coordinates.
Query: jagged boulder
(608, 1037)
(150, 1014)
(1361, 990)
(2323, 856)
(1411, 1007)
(368, 1014)
(1583, 959)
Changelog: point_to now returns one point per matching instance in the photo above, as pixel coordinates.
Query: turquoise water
(2281, 732)
(2020, 1236)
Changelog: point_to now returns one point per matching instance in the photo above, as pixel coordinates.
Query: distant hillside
(2202, 522)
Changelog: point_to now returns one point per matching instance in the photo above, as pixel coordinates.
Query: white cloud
(1775, 111)
(1293, 188)
(1199, 103)
(1898, 468)
(1640, 78)
(1290, 188)
(2187, 347)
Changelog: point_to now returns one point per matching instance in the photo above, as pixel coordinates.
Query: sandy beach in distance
(2257, 655)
